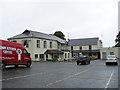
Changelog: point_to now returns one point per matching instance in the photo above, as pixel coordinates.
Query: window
(38, 43)
(94, 54)
(50, 44)
(90, 47)
(26, 53)
(45, 44)
(80, 48)
(65, 55)
(14, 41)
(47, 56)
(68, 55)
(71, 47)
(90, 54)
(25, 43)
(56, 56)
(36, 56)
(59, 45)
(111, 53)
(41, 56)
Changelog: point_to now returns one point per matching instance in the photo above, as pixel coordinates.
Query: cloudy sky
(75, 18)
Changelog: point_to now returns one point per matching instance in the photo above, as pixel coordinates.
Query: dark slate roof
(54, 52)
(34, 34)
(83, 42)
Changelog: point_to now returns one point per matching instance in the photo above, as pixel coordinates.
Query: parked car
(83, 60)
(111, 59)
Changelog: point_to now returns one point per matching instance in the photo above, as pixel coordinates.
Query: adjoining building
(110, 51)
(42, 46)
(85, 46)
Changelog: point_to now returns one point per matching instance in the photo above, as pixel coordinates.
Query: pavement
(61, 75)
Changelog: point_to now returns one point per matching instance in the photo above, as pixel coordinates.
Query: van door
(19, 55)
(26, 56)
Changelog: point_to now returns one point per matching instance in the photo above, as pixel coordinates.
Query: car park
(83, 60)
(111, 59)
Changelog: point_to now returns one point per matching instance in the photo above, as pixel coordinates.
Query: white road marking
(20, 77)
(66, 78)
(109, 80)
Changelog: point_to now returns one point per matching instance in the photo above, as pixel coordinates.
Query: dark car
(83, 60)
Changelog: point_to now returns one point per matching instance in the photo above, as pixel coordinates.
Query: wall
(116, 51)
(32, 49)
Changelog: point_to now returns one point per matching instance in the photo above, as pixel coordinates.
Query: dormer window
(27, 32)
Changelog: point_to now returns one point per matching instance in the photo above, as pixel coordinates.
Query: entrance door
(41, 57)
(104, 55)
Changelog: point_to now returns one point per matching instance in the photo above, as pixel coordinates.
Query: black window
(41, 56)
(90, 54)
(111, 53)
(68, 55)
(45, 44)
(36, 56)
(94, 54)
(38, 43)
(80, 48)
(47, 56)
(50, 44)
(71, 47)
(90, 47)
(25, 43)
(14, 41)
(65, 55)
(59, 46)
(25, 52)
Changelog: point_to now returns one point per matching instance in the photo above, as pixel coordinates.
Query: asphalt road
(61, 75)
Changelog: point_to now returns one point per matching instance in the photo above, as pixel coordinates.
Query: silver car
(111, 59)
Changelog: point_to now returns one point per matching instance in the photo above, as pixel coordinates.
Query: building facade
(85, 47)
(42, 46)
(110, 51)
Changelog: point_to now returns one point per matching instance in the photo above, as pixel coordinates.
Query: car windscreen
(82, 58)
(111, 57)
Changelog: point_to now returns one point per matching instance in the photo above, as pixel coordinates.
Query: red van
(12, 53)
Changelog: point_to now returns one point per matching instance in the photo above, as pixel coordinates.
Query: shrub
(54, 59)
(92, 58)
(49, 59)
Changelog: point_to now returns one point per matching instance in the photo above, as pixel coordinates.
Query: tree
(117, 40)
(60, 35)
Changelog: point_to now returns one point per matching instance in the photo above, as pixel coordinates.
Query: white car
(111, 59)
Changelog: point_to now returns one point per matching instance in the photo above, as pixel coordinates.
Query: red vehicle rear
(12, 53)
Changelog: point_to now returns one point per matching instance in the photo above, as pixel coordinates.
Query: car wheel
(3, 65)
(89, 61)
(16, 66)
(106, 63)
(28, 64)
